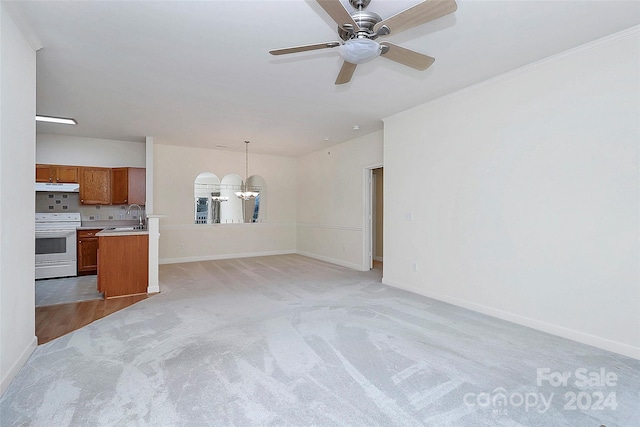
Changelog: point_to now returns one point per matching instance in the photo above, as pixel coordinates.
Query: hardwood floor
(53, 321)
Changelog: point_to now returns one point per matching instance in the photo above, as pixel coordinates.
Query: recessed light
(61, 120)
(356, 127)
(326, 138)
(221, 146)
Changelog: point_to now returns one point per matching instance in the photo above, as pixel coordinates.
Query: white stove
(56, 244)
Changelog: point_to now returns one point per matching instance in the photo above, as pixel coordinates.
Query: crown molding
(23, 24)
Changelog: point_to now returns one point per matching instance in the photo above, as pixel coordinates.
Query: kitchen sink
(119, 229)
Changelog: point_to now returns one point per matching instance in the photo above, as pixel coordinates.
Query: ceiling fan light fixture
(360, 50)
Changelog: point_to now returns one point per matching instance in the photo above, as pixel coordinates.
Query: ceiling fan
(360, 29)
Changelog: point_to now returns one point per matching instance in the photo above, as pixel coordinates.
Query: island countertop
(112, 233)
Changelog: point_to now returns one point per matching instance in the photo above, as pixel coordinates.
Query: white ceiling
(199, 73)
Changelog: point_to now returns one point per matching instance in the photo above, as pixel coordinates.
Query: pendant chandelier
(245, 194)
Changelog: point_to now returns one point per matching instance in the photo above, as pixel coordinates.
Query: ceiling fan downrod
(359, 4)
(366, 21)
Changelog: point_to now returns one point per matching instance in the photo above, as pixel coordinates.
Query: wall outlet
(408, 216)
(414, 266)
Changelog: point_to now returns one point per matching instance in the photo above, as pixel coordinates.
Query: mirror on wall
(216, 202)
(205, 185)
(255, 208)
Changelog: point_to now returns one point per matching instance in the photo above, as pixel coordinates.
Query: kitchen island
(123, 262)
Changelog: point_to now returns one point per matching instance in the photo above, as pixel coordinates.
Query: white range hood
(59, 188)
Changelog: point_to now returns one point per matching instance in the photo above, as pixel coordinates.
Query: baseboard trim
(332, 261)
(331, 226)
(571, 334)
(18, 364)
(223, 256)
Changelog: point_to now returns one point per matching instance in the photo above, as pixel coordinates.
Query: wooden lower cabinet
(87, 251)
(123, 264)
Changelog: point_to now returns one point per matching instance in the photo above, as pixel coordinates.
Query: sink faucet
(139, 212)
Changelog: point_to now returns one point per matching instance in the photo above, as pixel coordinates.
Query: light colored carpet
(288, 340)
(67, 289)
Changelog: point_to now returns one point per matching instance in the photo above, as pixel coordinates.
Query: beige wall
(17, 205)
(527, 206)
(176, 168)
(331, 201)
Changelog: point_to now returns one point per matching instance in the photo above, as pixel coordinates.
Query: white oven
(56, 244)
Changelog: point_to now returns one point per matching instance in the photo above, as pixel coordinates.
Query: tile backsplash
(70, 202)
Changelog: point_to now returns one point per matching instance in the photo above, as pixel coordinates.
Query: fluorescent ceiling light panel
(61, 120)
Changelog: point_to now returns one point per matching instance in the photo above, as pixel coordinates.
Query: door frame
(368, 212)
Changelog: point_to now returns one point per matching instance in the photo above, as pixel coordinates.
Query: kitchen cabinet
(128, 185)
(87, 251)
(95, 186)
(123, 264)
(56, 173)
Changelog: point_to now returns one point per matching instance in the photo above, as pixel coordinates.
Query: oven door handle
(49, 232)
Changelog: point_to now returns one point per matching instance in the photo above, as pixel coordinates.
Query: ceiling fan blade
(303, 48)
(338, 13)
(423, 12)
(407, 57)
(346, 72)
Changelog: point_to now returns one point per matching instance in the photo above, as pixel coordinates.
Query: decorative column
(153, 225)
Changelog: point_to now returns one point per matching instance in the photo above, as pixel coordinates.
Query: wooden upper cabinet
(67, 174)
(128, 185)
(95, 186)
(56, 173)
(44, 173)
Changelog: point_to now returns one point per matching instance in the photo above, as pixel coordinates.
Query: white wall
(176, 168)
(17, 236)
(331, 201)
(524, 195)
(73, 150)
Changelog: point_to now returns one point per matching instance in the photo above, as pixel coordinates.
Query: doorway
(375, 216)
(377, 220)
